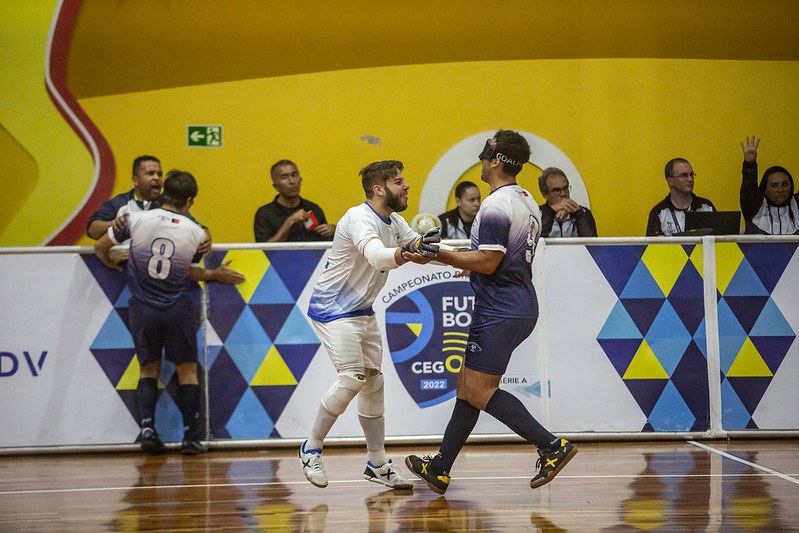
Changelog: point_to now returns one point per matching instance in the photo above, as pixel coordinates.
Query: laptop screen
(717, 222)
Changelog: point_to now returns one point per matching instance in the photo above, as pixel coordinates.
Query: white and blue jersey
(349, 284)
(509, 221)
(163, 246)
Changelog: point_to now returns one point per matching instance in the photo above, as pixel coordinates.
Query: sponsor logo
(427, 331)
(11, 363)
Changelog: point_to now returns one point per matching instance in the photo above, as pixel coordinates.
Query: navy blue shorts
(492, 341)
(171, 331)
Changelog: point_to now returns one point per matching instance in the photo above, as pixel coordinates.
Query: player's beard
(394, 202)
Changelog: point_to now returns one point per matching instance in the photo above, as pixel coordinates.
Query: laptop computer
(712, 223)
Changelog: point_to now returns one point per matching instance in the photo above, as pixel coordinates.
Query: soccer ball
(423, 222)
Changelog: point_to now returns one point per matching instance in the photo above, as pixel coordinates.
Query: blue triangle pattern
(641, 284)
(773, 349)
(113, 334)
(619, 325)
(296, 330)
(616, 263)
(114, 362)
(620, 352)
(700, 338)
(271, 289)
(124, 297)
(168, 371)
(247, 344)
(769, 260)
(671, 413)
(213, 353)
(668, 338)
(112, 282)
(733, 412)
(731, 336)
(643, 311)
(298, 357)
(745, 282)
(771, 323)
(689, 283)
(249, 420)
(168, 419)
(295, 267)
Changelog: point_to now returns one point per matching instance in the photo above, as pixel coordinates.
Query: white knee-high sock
(374, 430)
(321, 427)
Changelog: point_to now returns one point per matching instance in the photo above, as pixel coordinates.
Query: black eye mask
(490, 152)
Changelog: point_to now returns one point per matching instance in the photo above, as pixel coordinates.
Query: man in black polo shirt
(289, 217)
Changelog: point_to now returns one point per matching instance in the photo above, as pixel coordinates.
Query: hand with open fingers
(119, 222)
(750, 148)
(426, 245)
(225, 274)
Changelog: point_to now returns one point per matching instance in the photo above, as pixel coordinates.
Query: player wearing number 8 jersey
(163, 262)
(504, 236)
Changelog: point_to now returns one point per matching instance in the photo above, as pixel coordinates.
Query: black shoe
(193, 447)
(150, 442)
(420, 466)
(550, 462)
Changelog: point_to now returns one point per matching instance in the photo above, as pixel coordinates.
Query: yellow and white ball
(423, 222)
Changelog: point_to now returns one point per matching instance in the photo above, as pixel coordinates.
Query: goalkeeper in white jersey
(368, 242)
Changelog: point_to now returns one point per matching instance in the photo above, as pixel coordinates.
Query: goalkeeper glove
(426, 245)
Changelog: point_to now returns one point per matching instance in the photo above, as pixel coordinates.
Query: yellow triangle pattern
(697, 258)
(749, 363)
(728, 259)
(273, 371)
(416, 328)
(645, 365)
(253, 264)
(665, 262)
(130, 378)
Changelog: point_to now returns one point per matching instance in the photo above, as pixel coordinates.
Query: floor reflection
(445, 514)
(747, 500)
(670, 490)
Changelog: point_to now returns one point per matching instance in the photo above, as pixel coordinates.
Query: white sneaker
(312, 465)
(386, 475)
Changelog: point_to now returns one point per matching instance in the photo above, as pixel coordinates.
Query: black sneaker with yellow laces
(550, 462)
(422, 467)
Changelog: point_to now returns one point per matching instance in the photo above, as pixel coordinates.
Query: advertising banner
(622, 344)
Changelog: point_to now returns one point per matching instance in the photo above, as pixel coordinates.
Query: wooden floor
(741, 485)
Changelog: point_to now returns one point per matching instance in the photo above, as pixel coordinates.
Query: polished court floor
(742, 485)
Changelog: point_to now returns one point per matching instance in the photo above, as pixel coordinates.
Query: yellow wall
(45, 170)
(618, 120)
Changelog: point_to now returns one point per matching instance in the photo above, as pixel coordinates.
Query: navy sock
(189, 402)
(460, 426)
(147, 396)
(509, 410)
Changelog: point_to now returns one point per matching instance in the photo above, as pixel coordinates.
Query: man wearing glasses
(560, 215)
(668, 216)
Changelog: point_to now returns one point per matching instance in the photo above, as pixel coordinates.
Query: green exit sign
(205, 136)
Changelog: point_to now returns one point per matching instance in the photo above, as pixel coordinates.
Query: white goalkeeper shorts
(353, 343)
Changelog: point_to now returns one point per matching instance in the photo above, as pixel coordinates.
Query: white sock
(374, 430)
(321, 427)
